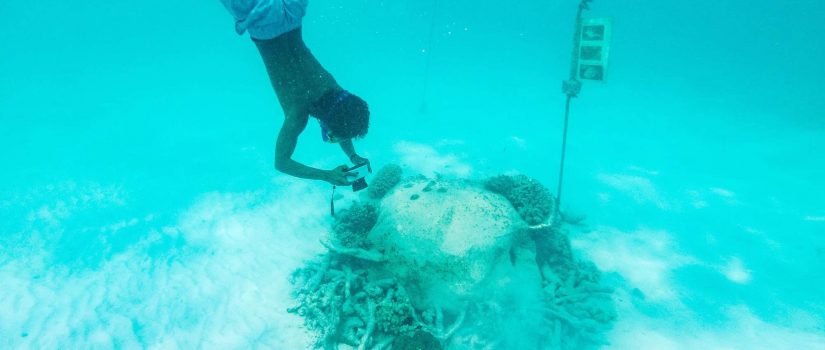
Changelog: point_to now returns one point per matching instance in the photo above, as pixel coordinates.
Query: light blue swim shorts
(266, 19)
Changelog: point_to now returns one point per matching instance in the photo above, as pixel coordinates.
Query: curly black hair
(345, 115)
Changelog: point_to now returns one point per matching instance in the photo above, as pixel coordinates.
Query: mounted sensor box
(594, 45)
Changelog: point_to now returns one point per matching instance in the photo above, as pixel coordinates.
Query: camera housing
(359, 184)
(360, 181)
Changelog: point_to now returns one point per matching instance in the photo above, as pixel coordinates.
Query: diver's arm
(349, 150)
(285, 147)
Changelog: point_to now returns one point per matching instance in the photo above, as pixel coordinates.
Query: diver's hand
(338, 176)
(358, 160)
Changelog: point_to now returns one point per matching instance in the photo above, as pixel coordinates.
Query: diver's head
(342, 116)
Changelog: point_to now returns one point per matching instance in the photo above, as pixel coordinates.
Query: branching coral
(530, 198)
(432, 321)
(342, 305)
(384, 181)
(578, 308)
(359, 253)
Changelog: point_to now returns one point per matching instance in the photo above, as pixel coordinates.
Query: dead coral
(384, 181)
(393, 312)
(344, 306)
(530, 198)
(552, 248)
(433, 321)
(350, 300)
(358, 253)
(578, 308)
(418, 341)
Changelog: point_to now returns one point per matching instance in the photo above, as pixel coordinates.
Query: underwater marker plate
(594, 47)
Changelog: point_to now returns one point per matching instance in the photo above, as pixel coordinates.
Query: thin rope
(332, 202)
(563, 151)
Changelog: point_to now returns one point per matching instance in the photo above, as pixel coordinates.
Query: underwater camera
(359, 182)
(360, 177)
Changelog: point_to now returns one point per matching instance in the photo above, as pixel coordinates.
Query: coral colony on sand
(424, 263)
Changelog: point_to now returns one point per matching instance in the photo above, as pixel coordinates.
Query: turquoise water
(139, 207)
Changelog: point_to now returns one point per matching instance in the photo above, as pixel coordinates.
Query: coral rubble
(453, 269)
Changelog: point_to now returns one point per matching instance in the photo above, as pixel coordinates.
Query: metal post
(571, 88)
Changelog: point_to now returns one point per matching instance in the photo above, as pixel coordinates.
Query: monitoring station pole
(588, 62)
(571, 88)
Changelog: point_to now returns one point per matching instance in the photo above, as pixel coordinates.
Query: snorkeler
(304, 88)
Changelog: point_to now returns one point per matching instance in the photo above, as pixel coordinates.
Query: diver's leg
(264, 19)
